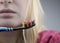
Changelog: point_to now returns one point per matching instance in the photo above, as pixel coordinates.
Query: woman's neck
(8, 37)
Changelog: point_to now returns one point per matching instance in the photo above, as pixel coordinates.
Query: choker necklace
(25, 25)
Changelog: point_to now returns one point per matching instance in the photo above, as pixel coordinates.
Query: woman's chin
(10, 22)
(9, 25)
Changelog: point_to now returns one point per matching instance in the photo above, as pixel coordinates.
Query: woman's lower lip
(6, 15)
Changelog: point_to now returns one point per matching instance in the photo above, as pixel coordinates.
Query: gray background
(52, 14)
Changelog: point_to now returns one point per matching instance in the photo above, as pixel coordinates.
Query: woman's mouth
(7, 13)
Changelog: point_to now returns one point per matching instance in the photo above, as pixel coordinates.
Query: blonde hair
(35, 12)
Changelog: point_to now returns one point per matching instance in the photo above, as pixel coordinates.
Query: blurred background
(52, 14)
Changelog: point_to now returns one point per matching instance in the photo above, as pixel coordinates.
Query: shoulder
(48, 36)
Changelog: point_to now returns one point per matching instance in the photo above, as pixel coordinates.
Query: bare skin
(8, 37)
